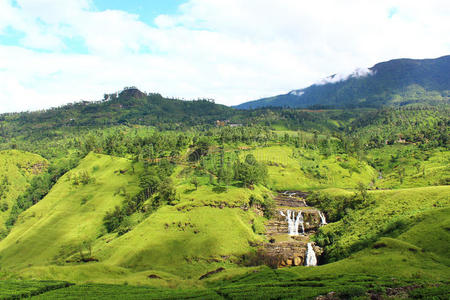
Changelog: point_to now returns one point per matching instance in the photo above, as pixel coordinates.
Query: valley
(140, 196)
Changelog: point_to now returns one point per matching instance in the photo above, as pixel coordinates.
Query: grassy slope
(421, 167)
(415, 258)
(174, 242)
(299, 169)
(179, 243)
(183, 241)
(391, 207)
(431, 233)
(18, 167)
(55, 226)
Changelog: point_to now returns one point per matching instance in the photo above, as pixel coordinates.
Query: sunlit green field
(16, 169)
(400, 239)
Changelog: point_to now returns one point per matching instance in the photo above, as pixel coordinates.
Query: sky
(54, 52)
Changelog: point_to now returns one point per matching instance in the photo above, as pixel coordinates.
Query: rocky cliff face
(288, 253)
(279, 224)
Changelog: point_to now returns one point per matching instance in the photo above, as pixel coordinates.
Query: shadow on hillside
(176, 254)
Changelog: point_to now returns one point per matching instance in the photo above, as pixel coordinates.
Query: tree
(250, 172)
(4, 206)
(166, 193)
(85, 245)
(401, 174)
(226, 174)
(113, 219)
(165, 169)
(85, 178)
(148, 153)
(201, 149)
(149, 183)
(362, 189)
(195, 182)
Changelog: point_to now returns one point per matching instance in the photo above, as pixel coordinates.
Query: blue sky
(147, 10)
(54, 52)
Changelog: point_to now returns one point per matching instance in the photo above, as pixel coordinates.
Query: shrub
(351, 291)
(113, 219)
(4, 206)
(396, 226)
(82, 178)
(437, 292)
(258, 226)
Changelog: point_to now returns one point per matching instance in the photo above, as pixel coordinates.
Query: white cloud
(359, 72)
(230, 50)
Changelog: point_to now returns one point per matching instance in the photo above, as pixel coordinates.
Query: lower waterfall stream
(311, 259)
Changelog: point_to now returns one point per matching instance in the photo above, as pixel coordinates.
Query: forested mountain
(396, 82)
(131, 106)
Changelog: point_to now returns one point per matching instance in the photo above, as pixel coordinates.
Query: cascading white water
(299, 221)
(292, 230)
(282, 213)
(294, 222)
(322, 218)
(311, 259)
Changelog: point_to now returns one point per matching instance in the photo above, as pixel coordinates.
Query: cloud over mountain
(54, 52)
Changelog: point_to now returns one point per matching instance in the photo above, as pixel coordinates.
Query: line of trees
(156, 189)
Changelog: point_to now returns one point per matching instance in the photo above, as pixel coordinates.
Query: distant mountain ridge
(392, 83)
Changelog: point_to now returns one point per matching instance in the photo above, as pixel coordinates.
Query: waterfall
(299, 220)
(322, 218)
(282, 213)
(311, 259)
(291, 224)
(294, 222)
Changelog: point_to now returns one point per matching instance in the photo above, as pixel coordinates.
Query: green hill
(388, 213)
(16, 170)
(67, 216)
(182, 241)
(396, 82)
(136, 211)
(129, 107)
(413, 265)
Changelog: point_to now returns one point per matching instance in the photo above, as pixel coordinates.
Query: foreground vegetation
(132, 209)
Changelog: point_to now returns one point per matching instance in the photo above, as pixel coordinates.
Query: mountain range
(396, 82)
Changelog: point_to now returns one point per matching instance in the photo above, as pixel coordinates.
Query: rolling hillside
(145, 197)
(16, 170)
(178, 242)
(393, 83)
